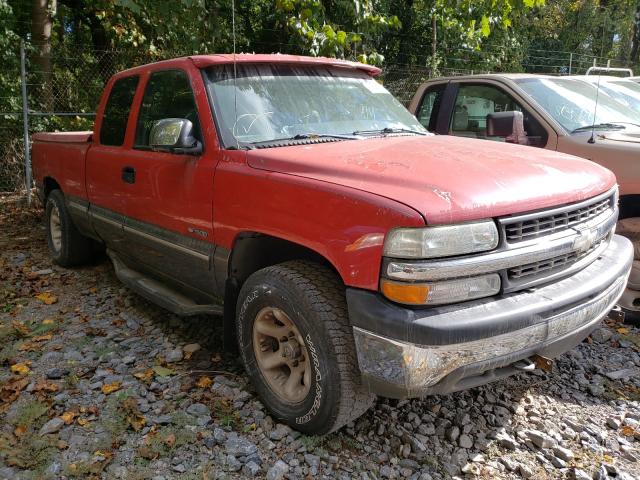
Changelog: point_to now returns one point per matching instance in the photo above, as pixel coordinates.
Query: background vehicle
(557, 114)
(625, 91)
(354, 253)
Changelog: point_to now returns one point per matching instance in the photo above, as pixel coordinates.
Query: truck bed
(61, 156)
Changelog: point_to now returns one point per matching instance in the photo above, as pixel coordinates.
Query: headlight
(442, 241)
(438, 293)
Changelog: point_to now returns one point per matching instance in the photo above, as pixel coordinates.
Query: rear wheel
(67, 245)
(298, 349)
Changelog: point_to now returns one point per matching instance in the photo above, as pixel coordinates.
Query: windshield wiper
(305, 136)
(599, 126)
(388, 130)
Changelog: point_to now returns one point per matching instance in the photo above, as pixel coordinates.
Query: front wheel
(297, 347)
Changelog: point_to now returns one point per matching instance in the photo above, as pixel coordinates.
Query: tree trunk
(42, 13)
(635, 43)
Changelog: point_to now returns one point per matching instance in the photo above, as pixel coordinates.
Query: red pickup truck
(349, 252)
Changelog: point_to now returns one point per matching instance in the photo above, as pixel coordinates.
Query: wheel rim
(55, 228)
(281, 355)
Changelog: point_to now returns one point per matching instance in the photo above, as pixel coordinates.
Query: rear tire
(294, 316)
(67, 245)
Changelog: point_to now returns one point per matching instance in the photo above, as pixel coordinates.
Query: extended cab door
(169, 197)
(105, 188)
(463, 106)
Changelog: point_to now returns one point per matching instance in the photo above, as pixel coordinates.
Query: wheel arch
(629, 206)
(49, 184)
(253, 251)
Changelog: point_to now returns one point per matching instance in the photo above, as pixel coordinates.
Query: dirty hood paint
(447, 179)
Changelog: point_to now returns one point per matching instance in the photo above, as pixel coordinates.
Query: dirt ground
(96, 382)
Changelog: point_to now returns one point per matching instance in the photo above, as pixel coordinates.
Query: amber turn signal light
(407, 293)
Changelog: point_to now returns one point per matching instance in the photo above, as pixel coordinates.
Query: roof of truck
(510, 76)
(203, 61)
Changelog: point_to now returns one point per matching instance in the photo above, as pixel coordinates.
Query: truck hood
(447, 179)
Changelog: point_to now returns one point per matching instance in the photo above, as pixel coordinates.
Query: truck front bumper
(404, 352)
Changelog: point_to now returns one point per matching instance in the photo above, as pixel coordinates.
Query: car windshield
(624, 91)
(267, 102)
(572, 103)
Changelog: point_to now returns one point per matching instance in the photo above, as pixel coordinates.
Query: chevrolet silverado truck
(348, 252)
(565, 114)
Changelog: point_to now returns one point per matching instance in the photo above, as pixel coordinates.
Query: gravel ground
(96, 382)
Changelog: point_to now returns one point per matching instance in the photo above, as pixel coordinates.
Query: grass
(223, 411)
(28, 450)
(166, 440)
(28, 411)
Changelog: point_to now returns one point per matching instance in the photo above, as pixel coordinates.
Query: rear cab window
(168, 94)
(117, 110)
(430, 106)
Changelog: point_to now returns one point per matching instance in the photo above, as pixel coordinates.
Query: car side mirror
(505, 124)
(174, 135)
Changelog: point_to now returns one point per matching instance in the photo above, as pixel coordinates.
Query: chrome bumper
(446, 349)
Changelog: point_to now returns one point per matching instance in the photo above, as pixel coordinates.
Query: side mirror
(174, 135)
(506, 124)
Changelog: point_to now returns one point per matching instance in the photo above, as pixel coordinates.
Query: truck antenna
(592, 139)
(235, 74)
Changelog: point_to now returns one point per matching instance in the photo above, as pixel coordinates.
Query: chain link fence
(63, 90)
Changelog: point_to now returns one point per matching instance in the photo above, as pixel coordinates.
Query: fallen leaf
(170, 440)
(93, 290)
(146, 452)
(47, 298)
(82, 421)
(118, 322)
(162, 371)
(623, 330)
(204, 382)
(43, 338)
(108, 388)
(145, 376)
(628, 431)
(29, 347)
(68, 417)
(48, 321)
(20, 327)
(96, 332)
(20, 430)
(10, 390)
(104, 454)
(43, 384)
(20, 368)
(137, 422)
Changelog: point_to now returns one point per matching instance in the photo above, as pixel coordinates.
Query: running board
(158, 293)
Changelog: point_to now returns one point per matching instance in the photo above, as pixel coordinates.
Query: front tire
(297, 347)
(67, 245)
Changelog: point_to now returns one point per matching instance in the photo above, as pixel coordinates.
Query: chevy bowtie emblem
(585, 240)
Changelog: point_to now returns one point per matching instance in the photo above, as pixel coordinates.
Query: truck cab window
(168, 94)
(430, 106)
(116, 113)
(475, 102)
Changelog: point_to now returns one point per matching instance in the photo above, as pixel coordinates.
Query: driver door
(169, 197)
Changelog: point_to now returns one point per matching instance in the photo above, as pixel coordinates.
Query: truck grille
(546, 223)
(550, 265)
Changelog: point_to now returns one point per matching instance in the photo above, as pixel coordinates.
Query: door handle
(128, 174)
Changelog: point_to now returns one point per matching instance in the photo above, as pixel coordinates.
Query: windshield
(624, 91)
(572, 103)
(281, 101)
